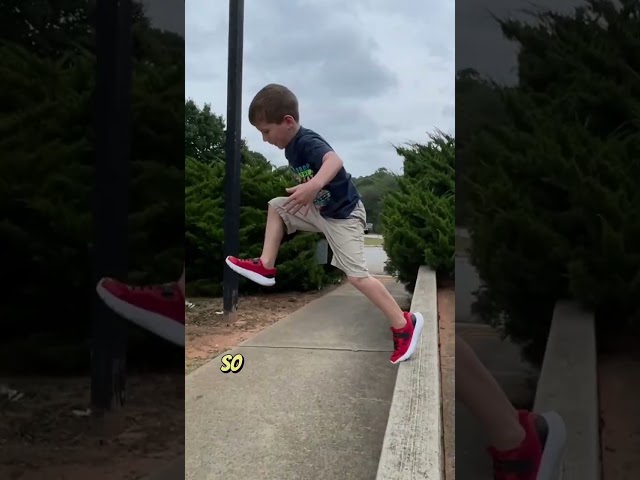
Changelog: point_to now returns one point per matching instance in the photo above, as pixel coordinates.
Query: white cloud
(367, 73)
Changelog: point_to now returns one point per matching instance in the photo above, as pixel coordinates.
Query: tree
(478, 106)
(204, 134)
(58, 28)
(554, 196)
(373, 189)
(418, 221)
(46, 176)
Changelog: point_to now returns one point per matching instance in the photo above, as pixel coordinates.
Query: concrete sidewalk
(311, 401)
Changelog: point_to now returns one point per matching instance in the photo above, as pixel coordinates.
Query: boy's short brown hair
(272, 103)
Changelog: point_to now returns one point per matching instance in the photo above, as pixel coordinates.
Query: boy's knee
(356, 281)
(277, 202)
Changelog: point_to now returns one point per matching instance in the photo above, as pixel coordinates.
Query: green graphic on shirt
(322, 199)
(303, 174)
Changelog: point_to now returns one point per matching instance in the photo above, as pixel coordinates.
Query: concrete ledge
(412, 447)
(568, 384)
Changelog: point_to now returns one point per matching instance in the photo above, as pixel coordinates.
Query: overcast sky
(367, 74)
(479, 40)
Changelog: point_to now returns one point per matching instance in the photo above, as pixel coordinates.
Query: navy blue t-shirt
(304, 152)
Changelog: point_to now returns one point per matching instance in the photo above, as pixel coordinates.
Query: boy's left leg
(262, 270)
(346, 238)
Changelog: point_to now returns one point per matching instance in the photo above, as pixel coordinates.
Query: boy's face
(278, 134)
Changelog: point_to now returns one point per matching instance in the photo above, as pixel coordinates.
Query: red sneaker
(538, 456)
(405, 339)
(254, 270)
(158, 309)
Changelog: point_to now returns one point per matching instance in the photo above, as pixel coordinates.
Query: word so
(232, 363)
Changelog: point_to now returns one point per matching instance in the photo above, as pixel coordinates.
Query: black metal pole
(232, 178)
(110, 202)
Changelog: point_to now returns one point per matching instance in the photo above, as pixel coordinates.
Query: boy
(325, 201)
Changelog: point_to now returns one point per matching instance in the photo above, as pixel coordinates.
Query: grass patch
(373, 242)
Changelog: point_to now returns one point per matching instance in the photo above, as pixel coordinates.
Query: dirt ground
(208, 335)
(52, 424)
(446, 330)
(619, 386)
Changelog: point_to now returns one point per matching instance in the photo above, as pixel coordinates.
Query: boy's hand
(301, 197)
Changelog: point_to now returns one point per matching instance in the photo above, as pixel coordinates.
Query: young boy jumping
(324, 201)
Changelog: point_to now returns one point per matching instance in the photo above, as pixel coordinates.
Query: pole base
(106, 425)
(230, 317)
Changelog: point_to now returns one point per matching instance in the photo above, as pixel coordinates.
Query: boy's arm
(316, 153)
(331, 165)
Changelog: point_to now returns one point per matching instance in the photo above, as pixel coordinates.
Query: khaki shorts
(345, 237)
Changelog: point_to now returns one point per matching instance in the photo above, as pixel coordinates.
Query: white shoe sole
(417, 331)
(254, 277)
(551, 462)
(162, 326)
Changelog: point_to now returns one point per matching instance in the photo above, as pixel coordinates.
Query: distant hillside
(373, 188)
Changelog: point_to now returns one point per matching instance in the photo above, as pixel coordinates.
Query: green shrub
(553, 193)
(47, 135)
(373, 188)
(418, 221)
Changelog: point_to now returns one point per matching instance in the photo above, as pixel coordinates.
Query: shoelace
(165, 288)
